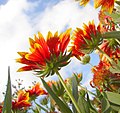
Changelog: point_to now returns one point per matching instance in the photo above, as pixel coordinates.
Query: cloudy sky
(21, 19)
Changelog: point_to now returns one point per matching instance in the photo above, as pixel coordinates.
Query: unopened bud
(85, 59)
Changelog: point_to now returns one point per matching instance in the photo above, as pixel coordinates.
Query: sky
(21, 19)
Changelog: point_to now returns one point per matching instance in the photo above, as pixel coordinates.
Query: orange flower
(86, 40)
(46, 55)
(50, 83)
(21, 101)
(106, 22)
(36, 90)
(107, 5)
(111, 48)
(101, 74)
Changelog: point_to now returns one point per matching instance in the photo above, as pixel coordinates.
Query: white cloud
(16, 26)
(66, 13)
(14, 30)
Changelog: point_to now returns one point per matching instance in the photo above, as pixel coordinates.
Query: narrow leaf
(74, 92)
(105, 105)
(91, 106)
(83, 104)
(115, 107)
(63, 107)
(8, 96)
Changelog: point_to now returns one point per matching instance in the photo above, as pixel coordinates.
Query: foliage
(47, 57)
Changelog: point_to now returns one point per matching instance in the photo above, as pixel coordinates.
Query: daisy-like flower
(111, 48)
(106, 5)
(104, 79)
(21, 101)
(106, 22)
(36, 90)
(86, 40)
(46, 56)
(101, 74)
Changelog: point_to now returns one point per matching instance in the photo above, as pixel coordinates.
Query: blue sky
(21, 19)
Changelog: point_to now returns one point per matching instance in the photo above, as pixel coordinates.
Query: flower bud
(85, 59)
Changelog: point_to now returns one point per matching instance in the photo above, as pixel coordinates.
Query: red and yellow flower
(86, 40)
(21, 101)
(48, 55)
(36, 90)
(106, 5)
(101, 74)
(104, 79)
(111, 48)
(106, 22)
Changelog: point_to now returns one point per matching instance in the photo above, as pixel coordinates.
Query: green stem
(41, 107)
(87, 90)
(110, 60)
(112, 34)
(68, 92)
(92, 66)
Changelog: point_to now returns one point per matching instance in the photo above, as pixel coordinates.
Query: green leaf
(74, 92)
(58, 88)
(112, 34)
(99, 95)
(115, 107)
(91, 106)
(63, 107)
(105, 105)
(113, 97)
(8, 96)
(119, 111)
(83, 105)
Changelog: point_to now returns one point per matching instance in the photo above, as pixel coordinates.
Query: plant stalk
(68, 92)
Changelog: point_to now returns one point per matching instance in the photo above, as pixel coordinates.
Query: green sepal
(64, 58)
(78, 78)
(58, 89)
